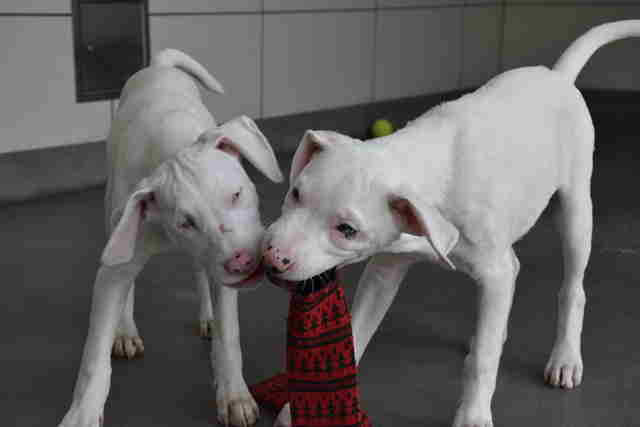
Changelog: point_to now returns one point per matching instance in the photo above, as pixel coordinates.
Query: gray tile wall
(229, 46)
(277, 57)
(539, 33)
(317, 61)
(37, 88)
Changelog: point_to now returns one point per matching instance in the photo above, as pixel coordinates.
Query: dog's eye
(295, 193)
(188, 223)
(347, 231)
(236, 196)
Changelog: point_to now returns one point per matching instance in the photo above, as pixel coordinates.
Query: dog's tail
(175, 58)
(579, 52)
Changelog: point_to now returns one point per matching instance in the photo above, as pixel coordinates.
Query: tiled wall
(277, 57)
(539, 33)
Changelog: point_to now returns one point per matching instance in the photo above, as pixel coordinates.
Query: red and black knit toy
(321, 379)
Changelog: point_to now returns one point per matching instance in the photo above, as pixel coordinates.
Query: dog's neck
(316, 283)
(424, 149)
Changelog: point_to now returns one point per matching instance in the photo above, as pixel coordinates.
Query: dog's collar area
(315, 283)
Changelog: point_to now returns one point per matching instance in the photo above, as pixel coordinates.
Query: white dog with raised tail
(176, 180)
(458, 186)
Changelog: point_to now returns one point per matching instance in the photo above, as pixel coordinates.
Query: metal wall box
(111, 42)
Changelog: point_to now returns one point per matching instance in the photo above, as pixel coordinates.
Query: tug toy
(321, 379)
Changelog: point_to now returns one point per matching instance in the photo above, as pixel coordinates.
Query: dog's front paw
(82, 417)
(127, 344)
(284, 417)
(564, 368)
(127, 347)
(236, 406)
(473, 416)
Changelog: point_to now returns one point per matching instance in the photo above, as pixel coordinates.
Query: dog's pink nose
(276, 261)
(241, 262)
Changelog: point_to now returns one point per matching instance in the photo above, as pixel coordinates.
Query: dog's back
(160, 112)
(518, 138)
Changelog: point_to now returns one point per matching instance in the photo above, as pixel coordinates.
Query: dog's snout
(276, 261)
(240, 262)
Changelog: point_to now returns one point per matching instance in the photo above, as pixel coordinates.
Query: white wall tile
(576, 2)
(418, 3)
(228, 46)
(271, 5)
(198, 6)
(38, 107)
(35, 6)
(539, 34)
(418, 52)
(317, 61)
(483, 2)
(481, 26)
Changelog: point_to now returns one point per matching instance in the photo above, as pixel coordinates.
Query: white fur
(168, 162)
(458, 186)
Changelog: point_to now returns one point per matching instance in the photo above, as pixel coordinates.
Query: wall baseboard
(32, 174)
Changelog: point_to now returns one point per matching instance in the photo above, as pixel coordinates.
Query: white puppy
(458, 186)
(175, 180)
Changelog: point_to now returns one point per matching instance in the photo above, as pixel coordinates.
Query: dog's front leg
(92, 386)
(496, 279)
(235, 404)
(377, 288)
(206, 307)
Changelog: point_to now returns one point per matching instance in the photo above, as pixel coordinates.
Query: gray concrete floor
(410, 375)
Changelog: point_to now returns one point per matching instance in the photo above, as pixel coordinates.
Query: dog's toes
(117, 350)
(250, 414)
(552, 376)
(242, 413)
(127, 347)
(237, 409)
(577, 376)
(473, 416)
(223, 415)
(566, 377)
(564, 369)
(206, 329)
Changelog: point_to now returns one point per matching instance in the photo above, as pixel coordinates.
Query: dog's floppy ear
(241, 137)
(122, 243)
(420, 219)
(311, 143)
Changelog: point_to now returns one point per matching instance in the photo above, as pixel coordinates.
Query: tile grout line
(461, 65)
(262, 59)
(316, 11)
(347, 10)
(502, 28)
(36, 15)
(374, 72)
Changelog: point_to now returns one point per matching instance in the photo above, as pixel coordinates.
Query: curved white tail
(578, 53)
(182, 61)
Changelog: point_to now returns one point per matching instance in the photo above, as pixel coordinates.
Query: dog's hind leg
(575, 220)
(128, 343)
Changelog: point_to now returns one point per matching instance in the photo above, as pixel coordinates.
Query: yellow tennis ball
(381, 127)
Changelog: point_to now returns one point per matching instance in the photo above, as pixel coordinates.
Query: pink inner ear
(143, 205)
(408, 215)
(306, 158)
(225, 144)
(310, 153)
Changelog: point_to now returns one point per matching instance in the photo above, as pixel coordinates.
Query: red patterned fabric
(321, 378)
